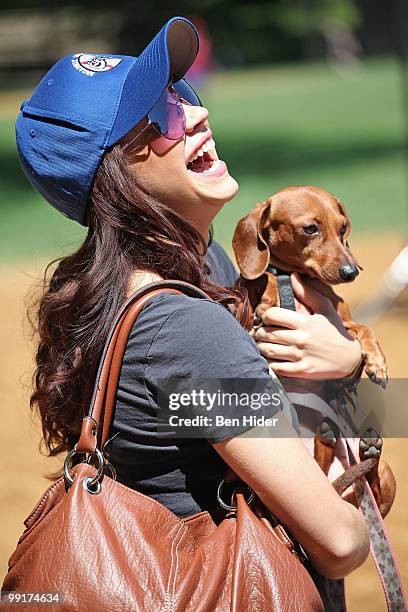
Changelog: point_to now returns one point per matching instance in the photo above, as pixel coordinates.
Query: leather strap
(286, 297)
(110, 364)
(380, 544)
(381, 548)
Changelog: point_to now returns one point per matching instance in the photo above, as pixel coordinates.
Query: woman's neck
(201, 217)
(204, 229)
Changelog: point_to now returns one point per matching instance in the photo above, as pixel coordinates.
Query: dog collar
(286, 296)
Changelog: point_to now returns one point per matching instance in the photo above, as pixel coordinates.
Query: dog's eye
(343, 229)
(310, 229)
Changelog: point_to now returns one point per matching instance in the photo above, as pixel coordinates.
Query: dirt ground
(22, 466)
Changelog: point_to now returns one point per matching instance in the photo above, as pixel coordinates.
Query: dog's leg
(267, 294)
(374, 359)
(380, 477)
(378, 473)
(388, 487)
(324, 442)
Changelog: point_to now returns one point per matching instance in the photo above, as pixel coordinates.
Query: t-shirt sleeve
(200, 342)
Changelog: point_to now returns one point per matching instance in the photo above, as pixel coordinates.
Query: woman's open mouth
(205, 162)
(201, 163)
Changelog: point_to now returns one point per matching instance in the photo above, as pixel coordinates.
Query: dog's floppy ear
(251, 250)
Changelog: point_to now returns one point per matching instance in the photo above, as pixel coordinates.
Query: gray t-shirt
(179, 336)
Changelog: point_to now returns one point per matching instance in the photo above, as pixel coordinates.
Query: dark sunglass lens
(167, 116)
(186, 92)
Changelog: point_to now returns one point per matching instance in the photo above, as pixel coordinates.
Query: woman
(123, 146)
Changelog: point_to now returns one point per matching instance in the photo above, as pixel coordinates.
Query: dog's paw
(370, 444)
(378, 379)
(376, 369)
(328, 432)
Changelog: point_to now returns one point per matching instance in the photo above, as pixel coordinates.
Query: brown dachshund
(305, 230)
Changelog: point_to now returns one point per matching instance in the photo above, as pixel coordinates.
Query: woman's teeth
(207, 146)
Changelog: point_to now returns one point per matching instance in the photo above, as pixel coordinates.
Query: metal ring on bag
(86, 483)
(90, 482)
(227, 506)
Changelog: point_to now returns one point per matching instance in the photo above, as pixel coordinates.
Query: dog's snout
(348, 272)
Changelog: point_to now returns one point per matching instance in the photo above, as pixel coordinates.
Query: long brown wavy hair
(128, 230)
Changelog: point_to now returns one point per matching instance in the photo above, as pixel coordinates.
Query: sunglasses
(167, 117)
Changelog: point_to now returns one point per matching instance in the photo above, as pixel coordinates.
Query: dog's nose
(348, 273)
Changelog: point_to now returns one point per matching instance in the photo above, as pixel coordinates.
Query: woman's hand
(311, 342)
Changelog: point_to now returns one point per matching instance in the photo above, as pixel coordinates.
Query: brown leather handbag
(102, 546)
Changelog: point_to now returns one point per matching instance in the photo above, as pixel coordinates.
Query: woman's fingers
(274, 334)
(302, 308)
(281, 317)
(317, 302)
(292, 369)
(280, 351)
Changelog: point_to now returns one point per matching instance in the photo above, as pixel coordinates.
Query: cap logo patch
(88, 63)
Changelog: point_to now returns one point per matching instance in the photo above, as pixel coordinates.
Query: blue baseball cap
(86, 103)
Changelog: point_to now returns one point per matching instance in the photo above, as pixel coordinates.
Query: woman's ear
(251, 250)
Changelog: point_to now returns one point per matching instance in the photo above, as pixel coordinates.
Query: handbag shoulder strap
(96, 424)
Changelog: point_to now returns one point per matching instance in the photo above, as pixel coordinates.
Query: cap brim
(166, 58)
